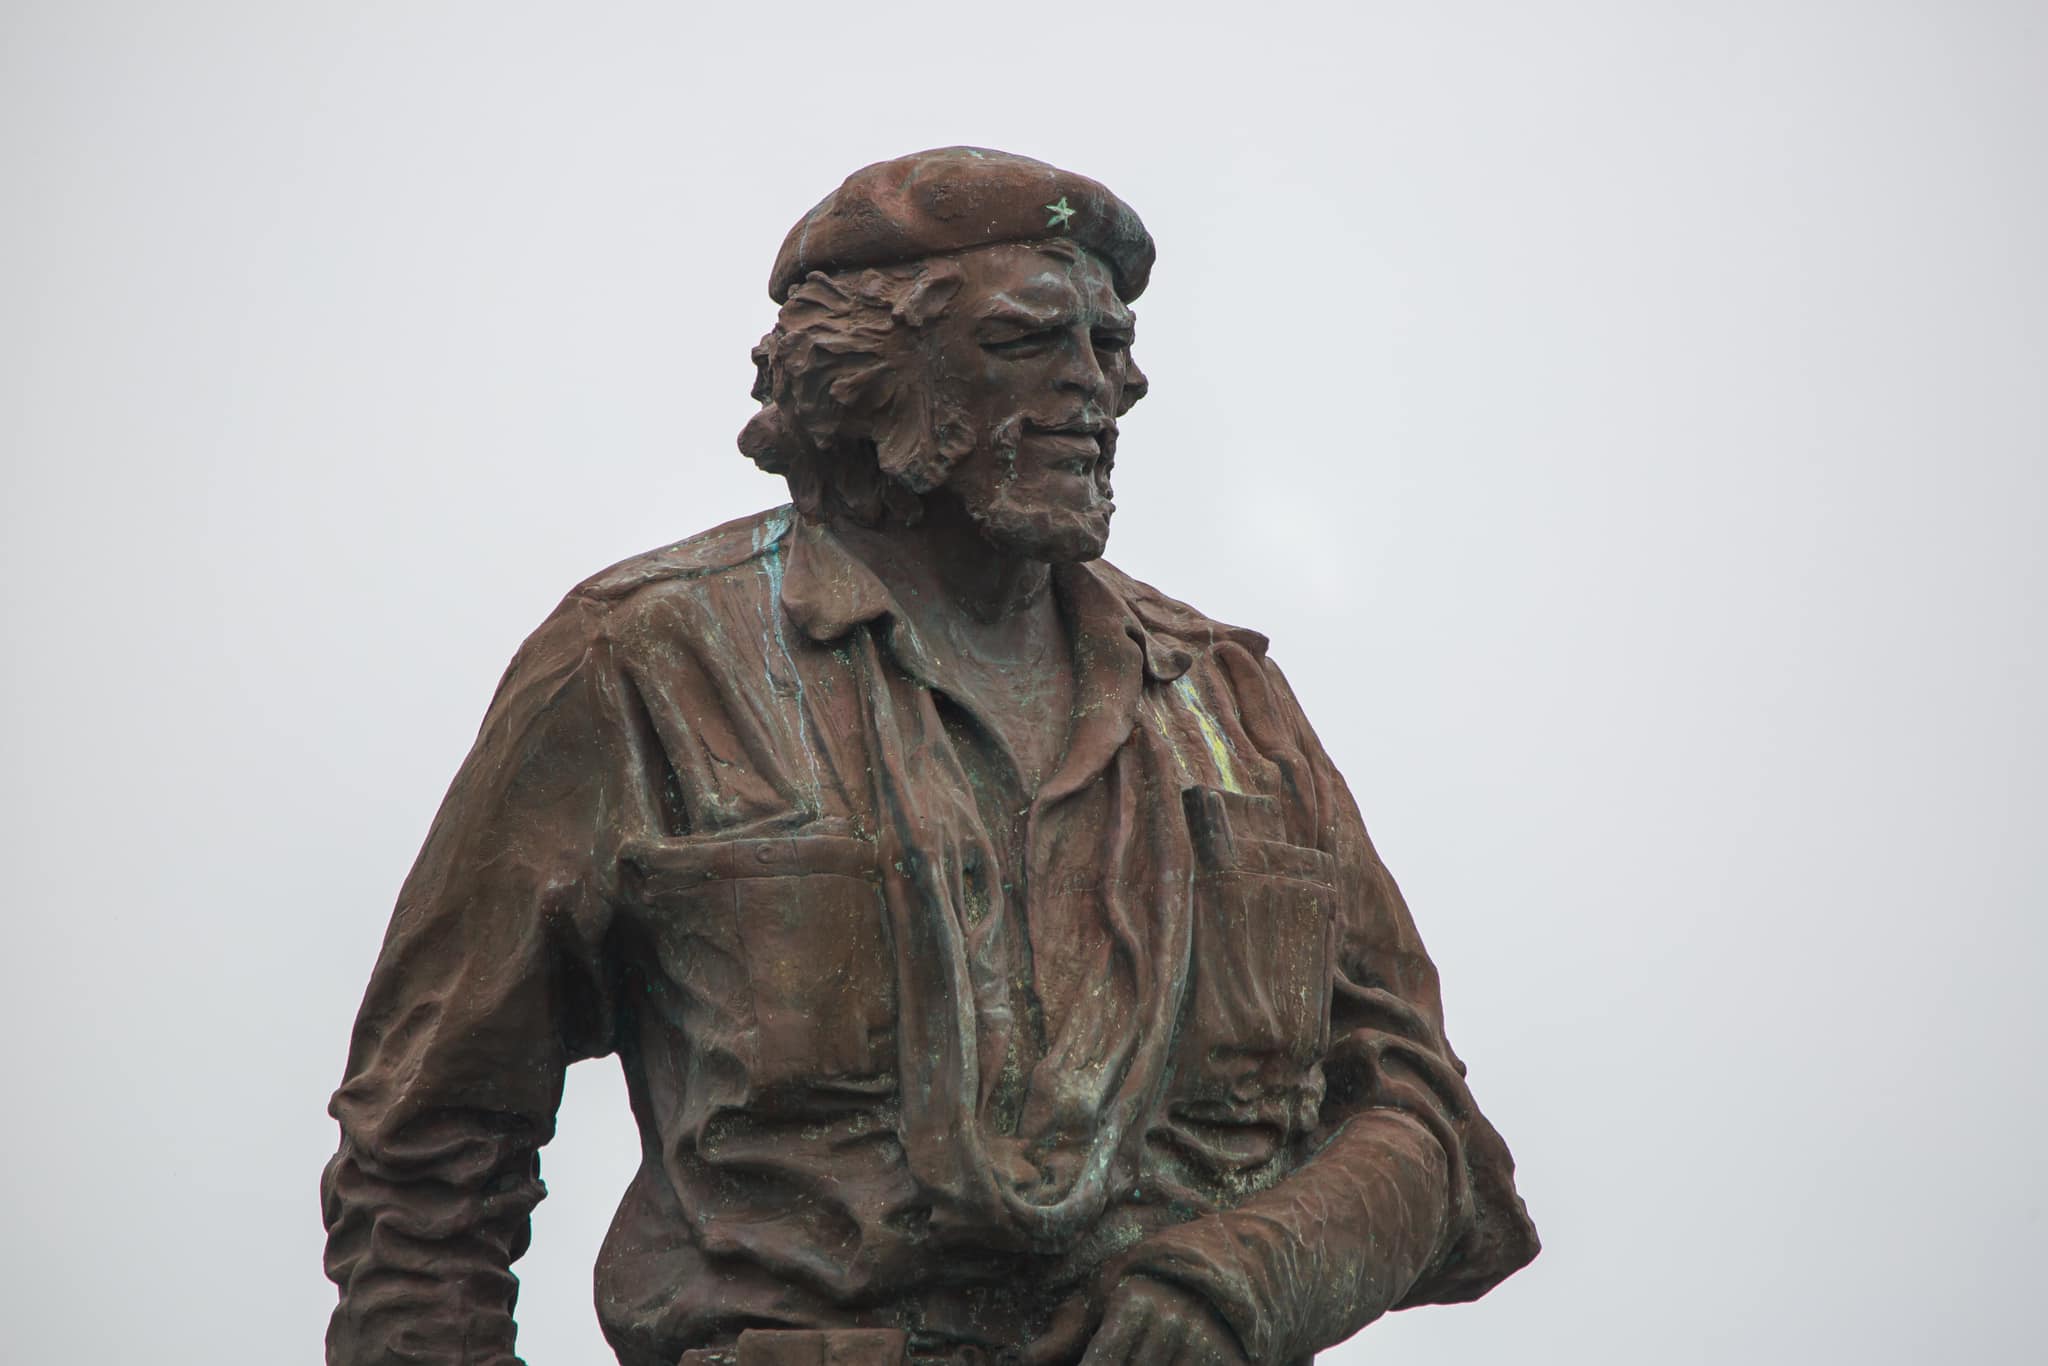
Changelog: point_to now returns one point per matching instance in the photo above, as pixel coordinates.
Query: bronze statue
(1000, 968)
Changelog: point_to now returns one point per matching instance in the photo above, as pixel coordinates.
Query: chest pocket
(1257, 1019)
(778, 948)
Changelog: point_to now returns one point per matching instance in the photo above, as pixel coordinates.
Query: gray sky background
(1626, 419)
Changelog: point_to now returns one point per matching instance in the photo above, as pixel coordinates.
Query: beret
(953, 198)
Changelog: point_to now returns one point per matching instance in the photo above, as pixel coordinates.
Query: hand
(1152, 1323)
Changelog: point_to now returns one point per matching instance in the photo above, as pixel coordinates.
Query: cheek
(999, 384)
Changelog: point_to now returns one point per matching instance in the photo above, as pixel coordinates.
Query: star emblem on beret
(1060, 212)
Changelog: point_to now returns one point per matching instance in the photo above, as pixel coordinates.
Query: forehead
(1050, 285)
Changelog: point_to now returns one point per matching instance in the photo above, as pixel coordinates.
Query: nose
(1080, 371)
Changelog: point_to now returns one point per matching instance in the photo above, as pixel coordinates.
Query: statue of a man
(1000, 969)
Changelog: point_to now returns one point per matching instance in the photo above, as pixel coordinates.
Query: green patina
(1212, 734)
(1180, 761)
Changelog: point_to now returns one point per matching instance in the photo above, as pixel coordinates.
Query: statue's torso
(908, 1042)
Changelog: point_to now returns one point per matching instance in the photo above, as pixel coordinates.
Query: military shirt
(908, 1045)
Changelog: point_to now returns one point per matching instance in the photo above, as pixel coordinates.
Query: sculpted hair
(853, 414)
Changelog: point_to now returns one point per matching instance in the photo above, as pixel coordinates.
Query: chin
(1050, 535)
(1075, 545)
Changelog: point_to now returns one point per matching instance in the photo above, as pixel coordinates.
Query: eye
(1030, 344)
(1113, 343)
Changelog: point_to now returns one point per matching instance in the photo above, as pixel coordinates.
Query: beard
(1018, 515)
(1032, 529)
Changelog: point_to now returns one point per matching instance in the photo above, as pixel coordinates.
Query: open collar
(827, 592)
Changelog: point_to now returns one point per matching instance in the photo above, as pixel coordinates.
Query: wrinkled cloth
(908, 1046)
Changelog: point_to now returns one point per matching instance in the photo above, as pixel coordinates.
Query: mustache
(1083, 423)
(1005, 436)
(1096, 425)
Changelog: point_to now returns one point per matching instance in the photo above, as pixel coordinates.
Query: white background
(1626, 419)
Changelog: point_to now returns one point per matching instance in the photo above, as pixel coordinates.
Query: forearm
(1317, 1257)
(420, 1241)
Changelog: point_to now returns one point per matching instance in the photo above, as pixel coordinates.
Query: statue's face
(1031, 358)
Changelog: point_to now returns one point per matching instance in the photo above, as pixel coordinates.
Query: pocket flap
(1236, 832)
(653, 867)
(1277, 859)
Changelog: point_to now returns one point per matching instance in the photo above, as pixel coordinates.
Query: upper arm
(492, 976)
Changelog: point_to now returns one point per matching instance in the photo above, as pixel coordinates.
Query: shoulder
(719, 551)
(675, 591)
(1174, 620)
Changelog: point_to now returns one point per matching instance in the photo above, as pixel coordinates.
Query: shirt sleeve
(1409, 1196)
(492, 979)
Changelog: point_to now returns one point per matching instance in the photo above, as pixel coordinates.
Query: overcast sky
(1626, 419)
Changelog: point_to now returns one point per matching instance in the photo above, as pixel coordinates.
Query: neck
(945, 565)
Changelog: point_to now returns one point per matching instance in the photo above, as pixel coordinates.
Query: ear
(935, 287)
